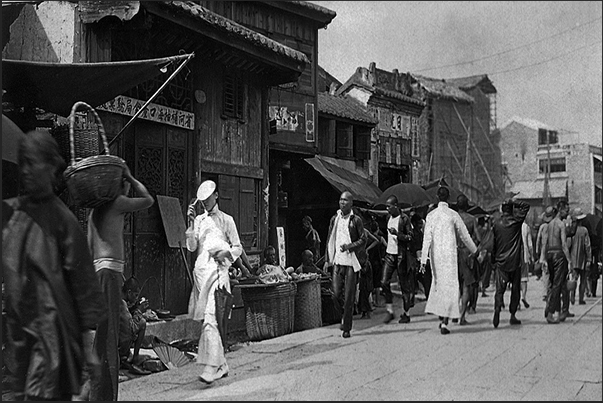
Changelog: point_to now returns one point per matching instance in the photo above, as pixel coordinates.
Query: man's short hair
(307, 219)
(131, 284)
(443, 193)
(562, 204)
(393, 199)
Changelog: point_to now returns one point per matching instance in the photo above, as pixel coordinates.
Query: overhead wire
(545, 61)
(512, 49)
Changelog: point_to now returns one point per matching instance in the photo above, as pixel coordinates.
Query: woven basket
(93, 179)
(308, 304)
(269, 309)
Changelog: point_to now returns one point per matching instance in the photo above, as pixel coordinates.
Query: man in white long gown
(439, 245)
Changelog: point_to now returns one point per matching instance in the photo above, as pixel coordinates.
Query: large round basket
(308, 304)
(269, 309)
(95, 179)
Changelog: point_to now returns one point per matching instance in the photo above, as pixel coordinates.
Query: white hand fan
(170, 356)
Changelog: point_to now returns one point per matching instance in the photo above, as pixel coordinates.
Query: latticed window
(234, 97)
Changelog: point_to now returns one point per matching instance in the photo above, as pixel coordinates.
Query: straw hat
(206, 189)
(577, 214)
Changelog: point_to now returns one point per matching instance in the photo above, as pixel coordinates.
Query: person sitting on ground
(132, 327)
(307, 265)
(270, 272)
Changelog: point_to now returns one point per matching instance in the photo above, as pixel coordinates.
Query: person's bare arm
(127, 204)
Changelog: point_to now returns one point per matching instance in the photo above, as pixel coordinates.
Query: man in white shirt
(346, 251)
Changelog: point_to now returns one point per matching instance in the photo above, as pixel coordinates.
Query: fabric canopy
(55, 87)
(341, 179)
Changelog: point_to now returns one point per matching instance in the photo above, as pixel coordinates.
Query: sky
(544, 57)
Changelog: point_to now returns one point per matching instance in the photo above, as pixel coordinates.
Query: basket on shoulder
(94, 179)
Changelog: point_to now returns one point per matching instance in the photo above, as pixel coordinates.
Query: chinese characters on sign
(280, 235)
(157, 113)
(401, 123)
(285, 119)
(310, 123)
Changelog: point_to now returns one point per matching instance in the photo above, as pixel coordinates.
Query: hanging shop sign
(286, 119)
(124, 105)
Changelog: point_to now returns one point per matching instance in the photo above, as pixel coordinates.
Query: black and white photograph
(302, 200)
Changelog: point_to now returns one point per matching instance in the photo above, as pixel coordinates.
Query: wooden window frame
(234, 97)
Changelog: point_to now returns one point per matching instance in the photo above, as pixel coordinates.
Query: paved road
(533, 361)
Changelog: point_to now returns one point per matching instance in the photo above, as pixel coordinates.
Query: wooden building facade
(457, 141)
(292, 106)
(222, 99)
(393, 102)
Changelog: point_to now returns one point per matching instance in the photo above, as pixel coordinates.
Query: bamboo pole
(184, 62)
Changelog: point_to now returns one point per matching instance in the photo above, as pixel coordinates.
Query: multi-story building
(530, 148)
(394, 141)
(457, 140)
(223, 96)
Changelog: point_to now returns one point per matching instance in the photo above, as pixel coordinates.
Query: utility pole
(546, 193)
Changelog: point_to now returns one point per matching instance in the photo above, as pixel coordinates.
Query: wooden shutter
(229, 95)
(345, 145)
(363, 142)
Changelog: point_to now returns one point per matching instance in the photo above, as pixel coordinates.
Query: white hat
(206, 189)
(577, 214)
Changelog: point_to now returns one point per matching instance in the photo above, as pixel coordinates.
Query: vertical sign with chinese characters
(310, 138)
(280, 237)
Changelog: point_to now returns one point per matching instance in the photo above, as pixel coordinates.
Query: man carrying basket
(106, 242)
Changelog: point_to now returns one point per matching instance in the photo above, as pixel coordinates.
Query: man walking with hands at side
(506, 256)
(399, 237)
(442, 227)
(346, 251)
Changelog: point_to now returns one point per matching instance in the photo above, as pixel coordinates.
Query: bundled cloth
(270, 274)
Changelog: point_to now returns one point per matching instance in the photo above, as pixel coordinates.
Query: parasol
(408, 194)
(432, 189)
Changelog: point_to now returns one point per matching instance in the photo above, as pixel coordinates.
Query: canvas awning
(342, 179)
(55, 87)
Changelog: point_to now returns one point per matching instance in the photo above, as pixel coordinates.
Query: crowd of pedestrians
(72, 318)
(454, 257)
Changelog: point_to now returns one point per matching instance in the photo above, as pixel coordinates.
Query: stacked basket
(269, 309)
(91, 179)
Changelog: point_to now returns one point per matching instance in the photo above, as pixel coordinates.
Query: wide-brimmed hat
(548, 215)
(577, 214)
(206, 189)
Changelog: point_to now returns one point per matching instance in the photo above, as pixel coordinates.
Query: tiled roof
(466, 83)
(356, 80)
(398, 95)
(344, 107)
(315, 7)
(230, 27)
(442, 89)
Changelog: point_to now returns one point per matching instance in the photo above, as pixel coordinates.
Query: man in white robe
(440, 246)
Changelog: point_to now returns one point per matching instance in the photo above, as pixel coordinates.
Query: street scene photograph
(302, 200)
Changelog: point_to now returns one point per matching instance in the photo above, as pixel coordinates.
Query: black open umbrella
(432, 190)
(408, 194)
